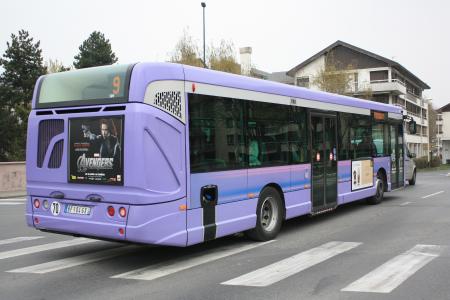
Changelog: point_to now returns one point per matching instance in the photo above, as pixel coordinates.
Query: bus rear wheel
(269, 216)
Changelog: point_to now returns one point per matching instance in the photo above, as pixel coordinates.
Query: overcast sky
(282, 34)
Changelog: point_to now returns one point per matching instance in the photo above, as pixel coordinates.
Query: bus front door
(324, 162)
(396, 131)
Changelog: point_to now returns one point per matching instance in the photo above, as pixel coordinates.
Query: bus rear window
(99, 85)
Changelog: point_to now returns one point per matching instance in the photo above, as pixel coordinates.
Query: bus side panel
(230, 218)
(298, 200)
(344, 179)
(231, 186)
(385, 163)
(260, 177)
(345, 193)
(158, 224)
(298, 203)
(235, 217)
(195, 229)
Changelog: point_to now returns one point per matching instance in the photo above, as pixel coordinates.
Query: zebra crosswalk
(167, 268)
(382, 279)
(292, 265)
(12, 201)
(19, 239)
(44, 247)
(391, 274)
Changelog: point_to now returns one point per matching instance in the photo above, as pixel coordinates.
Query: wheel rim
(269, 214)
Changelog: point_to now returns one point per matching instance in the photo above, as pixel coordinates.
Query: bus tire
(269, 216)
(379, 194)
(412, 181)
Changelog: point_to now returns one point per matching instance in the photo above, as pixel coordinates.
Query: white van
(410, 167)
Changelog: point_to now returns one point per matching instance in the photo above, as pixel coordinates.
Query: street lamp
(204, 59)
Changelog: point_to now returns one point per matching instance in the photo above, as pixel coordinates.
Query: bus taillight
(45, 204)
(122, 212)
(111, 211)
(37, 203)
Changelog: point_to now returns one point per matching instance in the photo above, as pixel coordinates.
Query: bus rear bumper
(158, 224)
(97, 223)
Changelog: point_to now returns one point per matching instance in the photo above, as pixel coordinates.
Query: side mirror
(412, 126)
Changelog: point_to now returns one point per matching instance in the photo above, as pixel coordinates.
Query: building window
(379, 76)
(383, 98)
(303, 81)
(424, 114)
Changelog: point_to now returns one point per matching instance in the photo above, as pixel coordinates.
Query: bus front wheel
(412, 181)
(269, 213)
(379, 194)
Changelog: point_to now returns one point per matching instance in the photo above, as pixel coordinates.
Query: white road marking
(292, 265)
(11, 203)
(394, 272)
(431, 195)
(185, 262)
(19, 239)
(405, 203)
(69, 262)
(44, 247)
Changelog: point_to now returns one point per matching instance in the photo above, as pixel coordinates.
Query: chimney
(246, 60)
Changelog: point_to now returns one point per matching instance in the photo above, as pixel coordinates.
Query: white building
(248, 69)
(443, 133)
(386, 80)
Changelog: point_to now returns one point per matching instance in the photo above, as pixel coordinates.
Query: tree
(55, 66)
(95, 51)
(432, 125)
(23, 64)
(334, 77)
(187, 52)
(223, 58)
(220, 58)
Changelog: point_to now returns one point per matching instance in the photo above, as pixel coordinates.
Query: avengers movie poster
(96, 150)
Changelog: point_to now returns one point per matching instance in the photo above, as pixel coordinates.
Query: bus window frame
(77, 103)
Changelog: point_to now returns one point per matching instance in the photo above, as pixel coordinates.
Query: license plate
(77, 209)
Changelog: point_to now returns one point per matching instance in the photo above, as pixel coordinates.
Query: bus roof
(144, 73)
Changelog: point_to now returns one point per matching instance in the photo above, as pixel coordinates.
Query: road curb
(13, 194)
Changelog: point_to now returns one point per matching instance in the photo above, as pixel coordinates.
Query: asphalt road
(396, 250)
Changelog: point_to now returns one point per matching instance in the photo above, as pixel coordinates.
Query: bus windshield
(99, 85)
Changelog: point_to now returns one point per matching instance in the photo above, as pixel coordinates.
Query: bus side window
(253, 153)
(216, 133)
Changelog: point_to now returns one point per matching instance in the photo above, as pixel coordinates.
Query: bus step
(319, 212)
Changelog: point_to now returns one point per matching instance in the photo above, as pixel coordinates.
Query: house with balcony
(443, 133)
(377, 78)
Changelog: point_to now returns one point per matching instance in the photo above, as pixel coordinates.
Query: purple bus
(167, 154)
